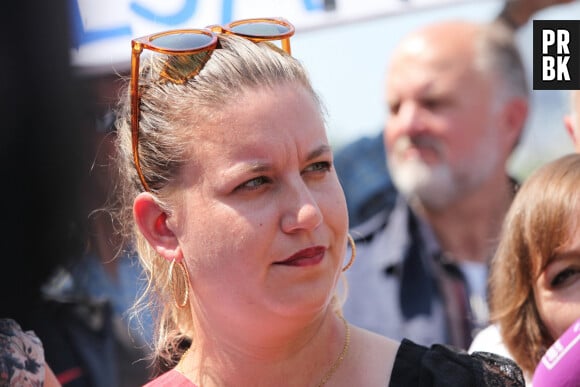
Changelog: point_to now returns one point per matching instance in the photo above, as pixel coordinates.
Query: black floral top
(443, 365)
(21, 356)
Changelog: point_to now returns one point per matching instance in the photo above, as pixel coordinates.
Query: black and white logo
(556, 54)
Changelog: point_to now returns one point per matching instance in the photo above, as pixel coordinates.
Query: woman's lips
(307, 257)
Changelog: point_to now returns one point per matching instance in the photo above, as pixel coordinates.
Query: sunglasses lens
(183, 41)
(260, 29)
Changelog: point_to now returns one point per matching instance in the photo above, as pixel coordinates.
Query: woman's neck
(300, 355)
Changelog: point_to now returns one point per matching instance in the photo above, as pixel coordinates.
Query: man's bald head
(457, 101)
(489, 48)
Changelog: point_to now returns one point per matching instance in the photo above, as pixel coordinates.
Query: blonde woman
(241, 223)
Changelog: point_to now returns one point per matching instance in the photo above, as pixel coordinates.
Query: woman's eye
(254, 183)
(562, 277)
(319, 166)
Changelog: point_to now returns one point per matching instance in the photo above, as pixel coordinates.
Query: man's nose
(410, 119)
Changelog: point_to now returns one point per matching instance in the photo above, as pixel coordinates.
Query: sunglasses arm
(286, 45)
(136, 50)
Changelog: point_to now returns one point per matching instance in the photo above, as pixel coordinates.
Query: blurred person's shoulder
(21, 356)
(362, 172)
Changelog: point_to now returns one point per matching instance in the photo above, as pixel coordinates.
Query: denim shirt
(362, 171)
(401, 287)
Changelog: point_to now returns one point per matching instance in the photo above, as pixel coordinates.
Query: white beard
(433, 186)
(437, 186)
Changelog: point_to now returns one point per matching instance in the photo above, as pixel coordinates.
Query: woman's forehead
(269, 109)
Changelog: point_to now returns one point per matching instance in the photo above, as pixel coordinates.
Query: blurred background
(347, 64)
(345, 45)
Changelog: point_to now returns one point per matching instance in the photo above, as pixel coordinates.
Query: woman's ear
(152, 222)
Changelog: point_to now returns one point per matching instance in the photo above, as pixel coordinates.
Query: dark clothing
(78, 342)
(443, 366)
(362, 172)
(85, 343)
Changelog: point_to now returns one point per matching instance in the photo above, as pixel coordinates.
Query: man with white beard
(458, 100)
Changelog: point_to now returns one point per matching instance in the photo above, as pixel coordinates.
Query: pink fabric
(559, 365)
(171, 379)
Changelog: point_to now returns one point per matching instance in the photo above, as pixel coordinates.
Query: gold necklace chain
(342, 354)
(328, 374)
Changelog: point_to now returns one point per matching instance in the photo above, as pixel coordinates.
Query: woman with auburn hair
(535, 273)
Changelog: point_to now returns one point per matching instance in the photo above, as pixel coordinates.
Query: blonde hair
(539, 222)
(170, 113)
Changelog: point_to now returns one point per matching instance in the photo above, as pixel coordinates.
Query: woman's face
(262, 219)
(557, 290)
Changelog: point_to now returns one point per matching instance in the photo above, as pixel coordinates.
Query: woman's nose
(301, 209)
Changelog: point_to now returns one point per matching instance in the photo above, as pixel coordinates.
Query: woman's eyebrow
(318, 151)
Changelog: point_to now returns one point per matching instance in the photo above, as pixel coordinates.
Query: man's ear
(152, 222)
(515, 115)
(569, 123)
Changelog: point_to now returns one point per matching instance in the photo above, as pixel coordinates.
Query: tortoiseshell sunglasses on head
(192, 41)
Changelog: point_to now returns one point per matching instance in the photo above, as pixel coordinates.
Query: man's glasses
(179, 43)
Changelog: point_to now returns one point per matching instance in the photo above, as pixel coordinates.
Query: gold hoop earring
(352, 254)
(175, 283)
